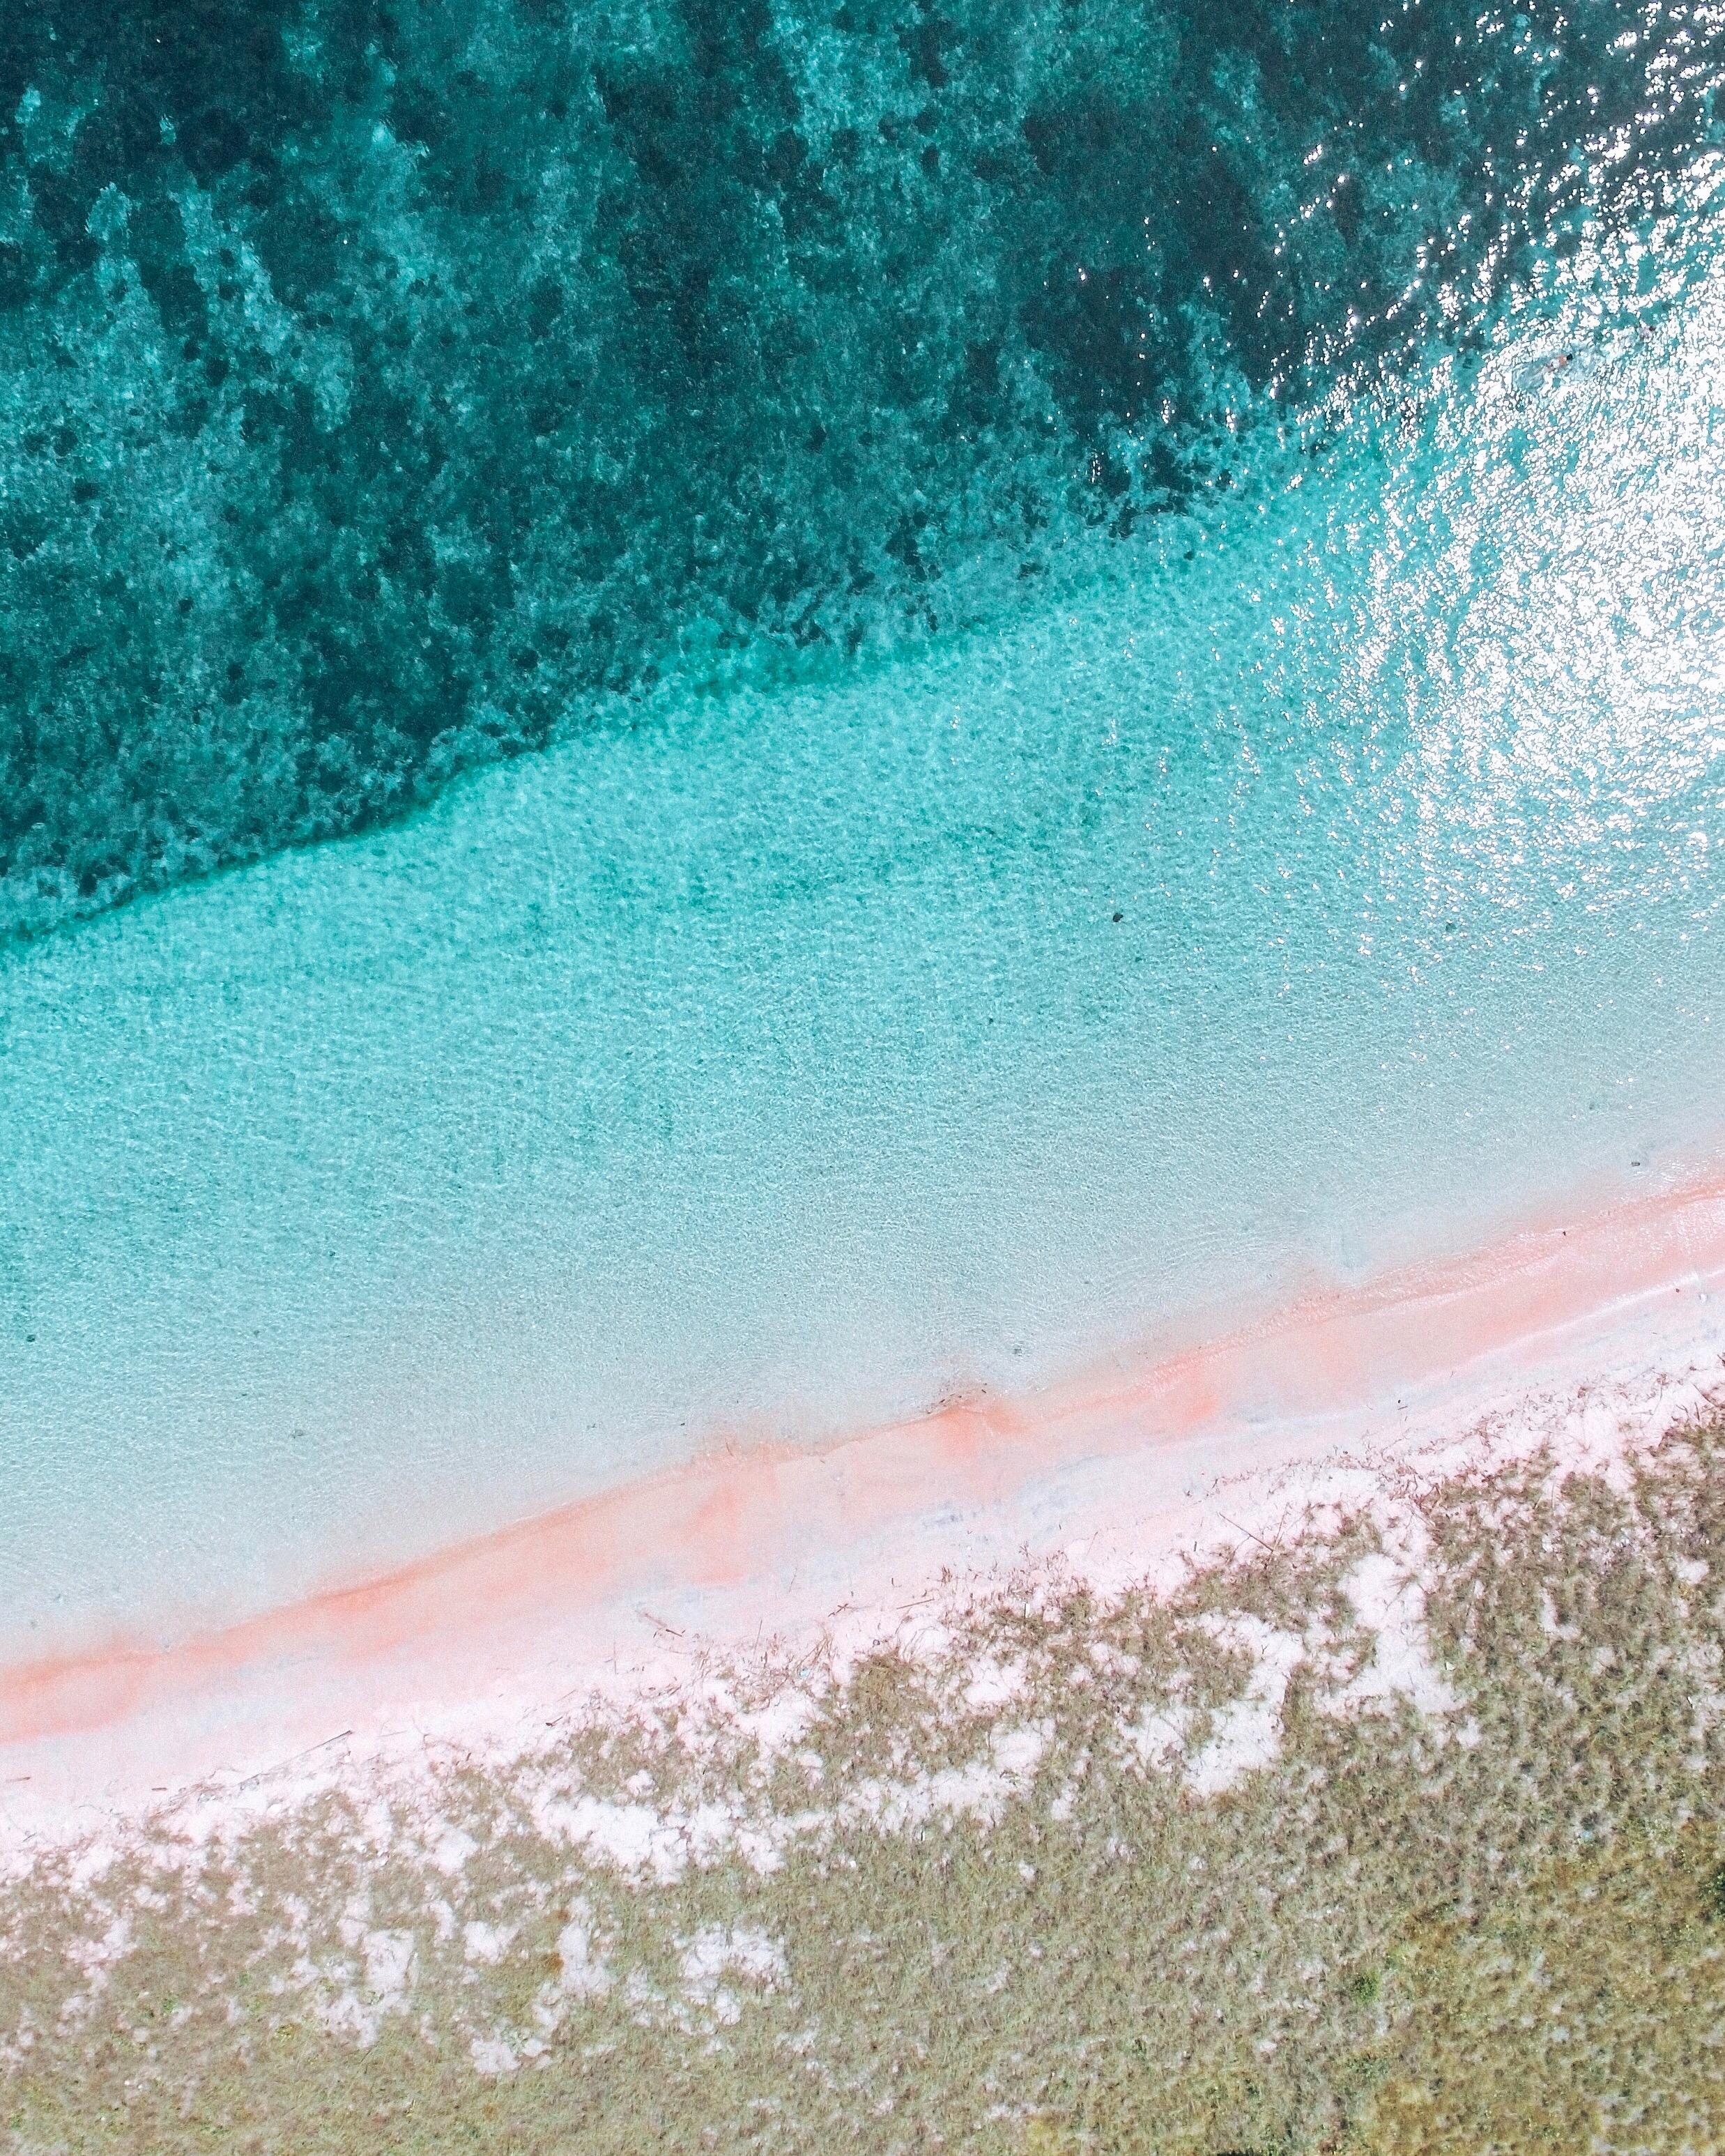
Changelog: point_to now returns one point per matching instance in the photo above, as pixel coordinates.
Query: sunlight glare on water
(1328, 886)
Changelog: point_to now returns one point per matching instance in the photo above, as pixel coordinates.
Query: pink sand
(742, 1544)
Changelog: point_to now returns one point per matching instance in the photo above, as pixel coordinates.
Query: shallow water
(1330, 883)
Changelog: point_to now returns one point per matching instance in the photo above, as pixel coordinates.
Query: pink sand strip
(451, 1623)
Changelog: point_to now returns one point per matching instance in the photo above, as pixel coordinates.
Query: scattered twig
(1274, 1548)
(293, 1760)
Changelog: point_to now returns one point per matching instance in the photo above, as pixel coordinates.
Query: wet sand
(486, 1638)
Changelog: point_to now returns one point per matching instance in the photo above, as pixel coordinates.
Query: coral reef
(385, 388)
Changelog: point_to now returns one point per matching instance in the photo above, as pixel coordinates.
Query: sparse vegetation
(1464, 1897)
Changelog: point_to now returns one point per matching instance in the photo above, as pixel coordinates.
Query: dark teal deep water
(386, 389)
(1100, 638)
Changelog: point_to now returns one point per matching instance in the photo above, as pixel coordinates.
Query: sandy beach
(1187, 1758)
(1123, 1467)
(863, 1274)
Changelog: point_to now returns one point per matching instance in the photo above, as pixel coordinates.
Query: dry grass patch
(1397, 1834)
(1584, 2010)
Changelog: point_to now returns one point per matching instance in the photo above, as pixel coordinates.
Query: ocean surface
(711, 726)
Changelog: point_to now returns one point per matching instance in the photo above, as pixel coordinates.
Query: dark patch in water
(387, 387)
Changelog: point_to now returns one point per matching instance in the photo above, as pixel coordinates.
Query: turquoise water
(716, 717)
(385, 389)
(1323, 882)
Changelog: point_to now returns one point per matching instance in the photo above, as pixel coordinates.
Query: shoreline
(484, 1637)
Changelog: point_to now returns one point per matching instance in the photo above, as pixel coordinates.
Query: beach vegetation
(1397, 1831)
